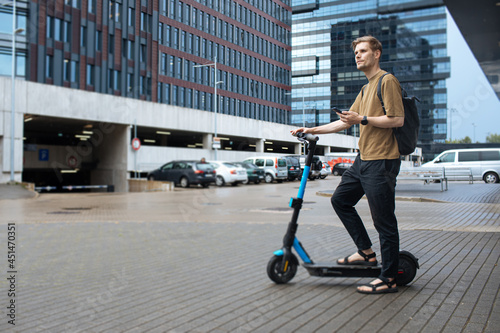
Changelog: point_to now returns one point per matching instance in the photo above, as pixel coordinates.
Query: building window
(111, 44)
(163, 64)
(131, 17)
(164, 7)
(146, 22)
(196, 101)
(144, 51)
(194, 16)
(70, 70)
(179, 13)
(167, 35)
(167, 93)
(183, 41)
(90, 80)
(178, 68)
(110, 78)
(172, 9)
(130, 49)
(118, 9)
(66, 37)
(189, 98)
(176, 39)
(142, 85)
(170, 66)
(98, 41)
(92, 6)
(181, 96)
(190, 43)
(49, 66)
(174, 95)
(130, 82)
(72, 3)
(83, 39)
(58, 31)
(160, 33)
(116, 80)
(49, 27)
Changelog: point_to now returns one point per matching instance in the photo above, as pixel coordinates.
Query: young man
(375, 168)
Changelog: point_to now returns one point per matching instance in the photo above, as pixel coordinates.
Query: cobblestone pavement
(194, 260)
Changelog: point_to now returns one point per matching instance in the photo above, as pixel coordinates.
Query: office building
(413, 36)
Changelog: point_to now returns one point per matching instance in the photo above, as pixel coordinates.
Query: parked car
(228, 173)
(484, 163)
(185, 173)
(339, 168)
(254, 173)
(293, 164)
(274, 167)
(316, 166)
(325, 171)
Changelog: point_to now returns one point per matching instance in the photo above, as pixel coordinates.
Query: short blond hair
(372, 41)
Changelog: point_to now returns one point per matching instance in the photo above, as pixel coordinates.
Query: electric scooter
(282, 266)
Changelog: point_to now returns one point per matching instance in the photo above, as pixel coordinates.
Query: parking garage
(66, 137)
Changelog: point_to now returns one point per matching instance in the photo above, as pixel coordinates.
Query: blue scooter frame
(282, 267)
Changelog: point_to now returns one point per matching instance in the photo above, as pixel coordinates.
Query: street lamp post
(215, 99)
(451, 122)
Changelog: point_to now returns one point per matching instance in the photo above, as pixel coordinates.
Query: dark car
(293, 164)
(254, 173)
(339, 168)
(185, 173)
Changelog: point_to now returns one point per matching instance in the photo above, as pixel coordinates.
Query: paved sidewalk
(194, 260)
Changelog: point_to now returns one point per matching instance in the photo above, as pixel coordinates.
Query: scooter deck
(336, 270)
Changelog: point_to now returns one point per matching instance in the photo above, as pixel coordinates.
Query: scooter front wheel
(280, 274)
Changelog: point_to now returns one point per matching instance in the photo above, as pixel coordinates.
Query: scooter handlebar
(307, 136)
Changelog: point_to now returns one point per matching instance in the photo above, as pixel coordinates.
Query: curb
(413, 199)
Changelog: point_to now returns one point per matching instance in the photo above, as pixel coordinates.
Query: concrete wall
(115, 152)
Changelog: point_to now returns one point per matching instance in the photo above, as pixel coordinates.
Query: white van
(275, 168)
(483, 162)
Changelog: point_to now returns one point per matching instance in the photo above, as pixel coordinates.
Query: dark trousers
(376, 179)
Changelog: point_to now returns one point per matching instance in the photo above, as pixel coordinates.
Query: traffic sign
(136, 144)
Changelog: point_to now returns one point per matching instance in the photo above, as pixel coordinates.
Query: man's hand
(300, 129)
(350, 118)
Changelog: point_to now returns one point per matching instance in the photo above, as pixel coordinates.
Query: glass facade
(413, 36)
(6, 38)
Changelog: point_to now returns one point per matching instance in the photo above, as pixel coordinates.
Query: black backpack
(407, 135)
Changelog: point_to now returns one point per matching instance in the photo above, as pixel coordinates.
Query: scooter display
(282, 266)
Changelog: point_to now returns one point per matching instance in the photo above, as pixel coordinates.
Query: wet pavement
(194, 260)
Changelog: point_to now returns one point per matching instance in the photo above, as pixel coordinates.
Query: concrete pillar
(111, 145)
(207, 141)
(298, 148)
(5, 148)
(259, 145)
(326, 150)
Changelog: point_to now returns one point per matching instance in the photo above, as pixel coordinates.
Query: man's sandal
(391, 287)
(364, 262)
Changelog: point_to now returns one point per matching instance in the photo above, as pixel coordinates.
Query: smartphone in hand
(337, 110)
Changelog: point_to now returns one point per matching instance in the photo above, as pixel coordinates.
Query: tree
(493, 138)
(467, 139)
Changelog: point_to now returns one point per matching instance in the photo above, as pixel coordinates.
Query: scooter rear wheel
(276, 273)
(407, 269)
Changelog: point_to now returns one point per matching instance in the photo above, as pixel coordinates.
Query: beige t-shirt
(379, 143)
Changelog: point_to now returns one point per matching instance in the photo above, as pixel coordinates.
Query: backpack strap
(379, 92)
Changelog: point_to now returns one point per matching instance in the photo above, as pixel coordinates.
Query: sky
(476, 108)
